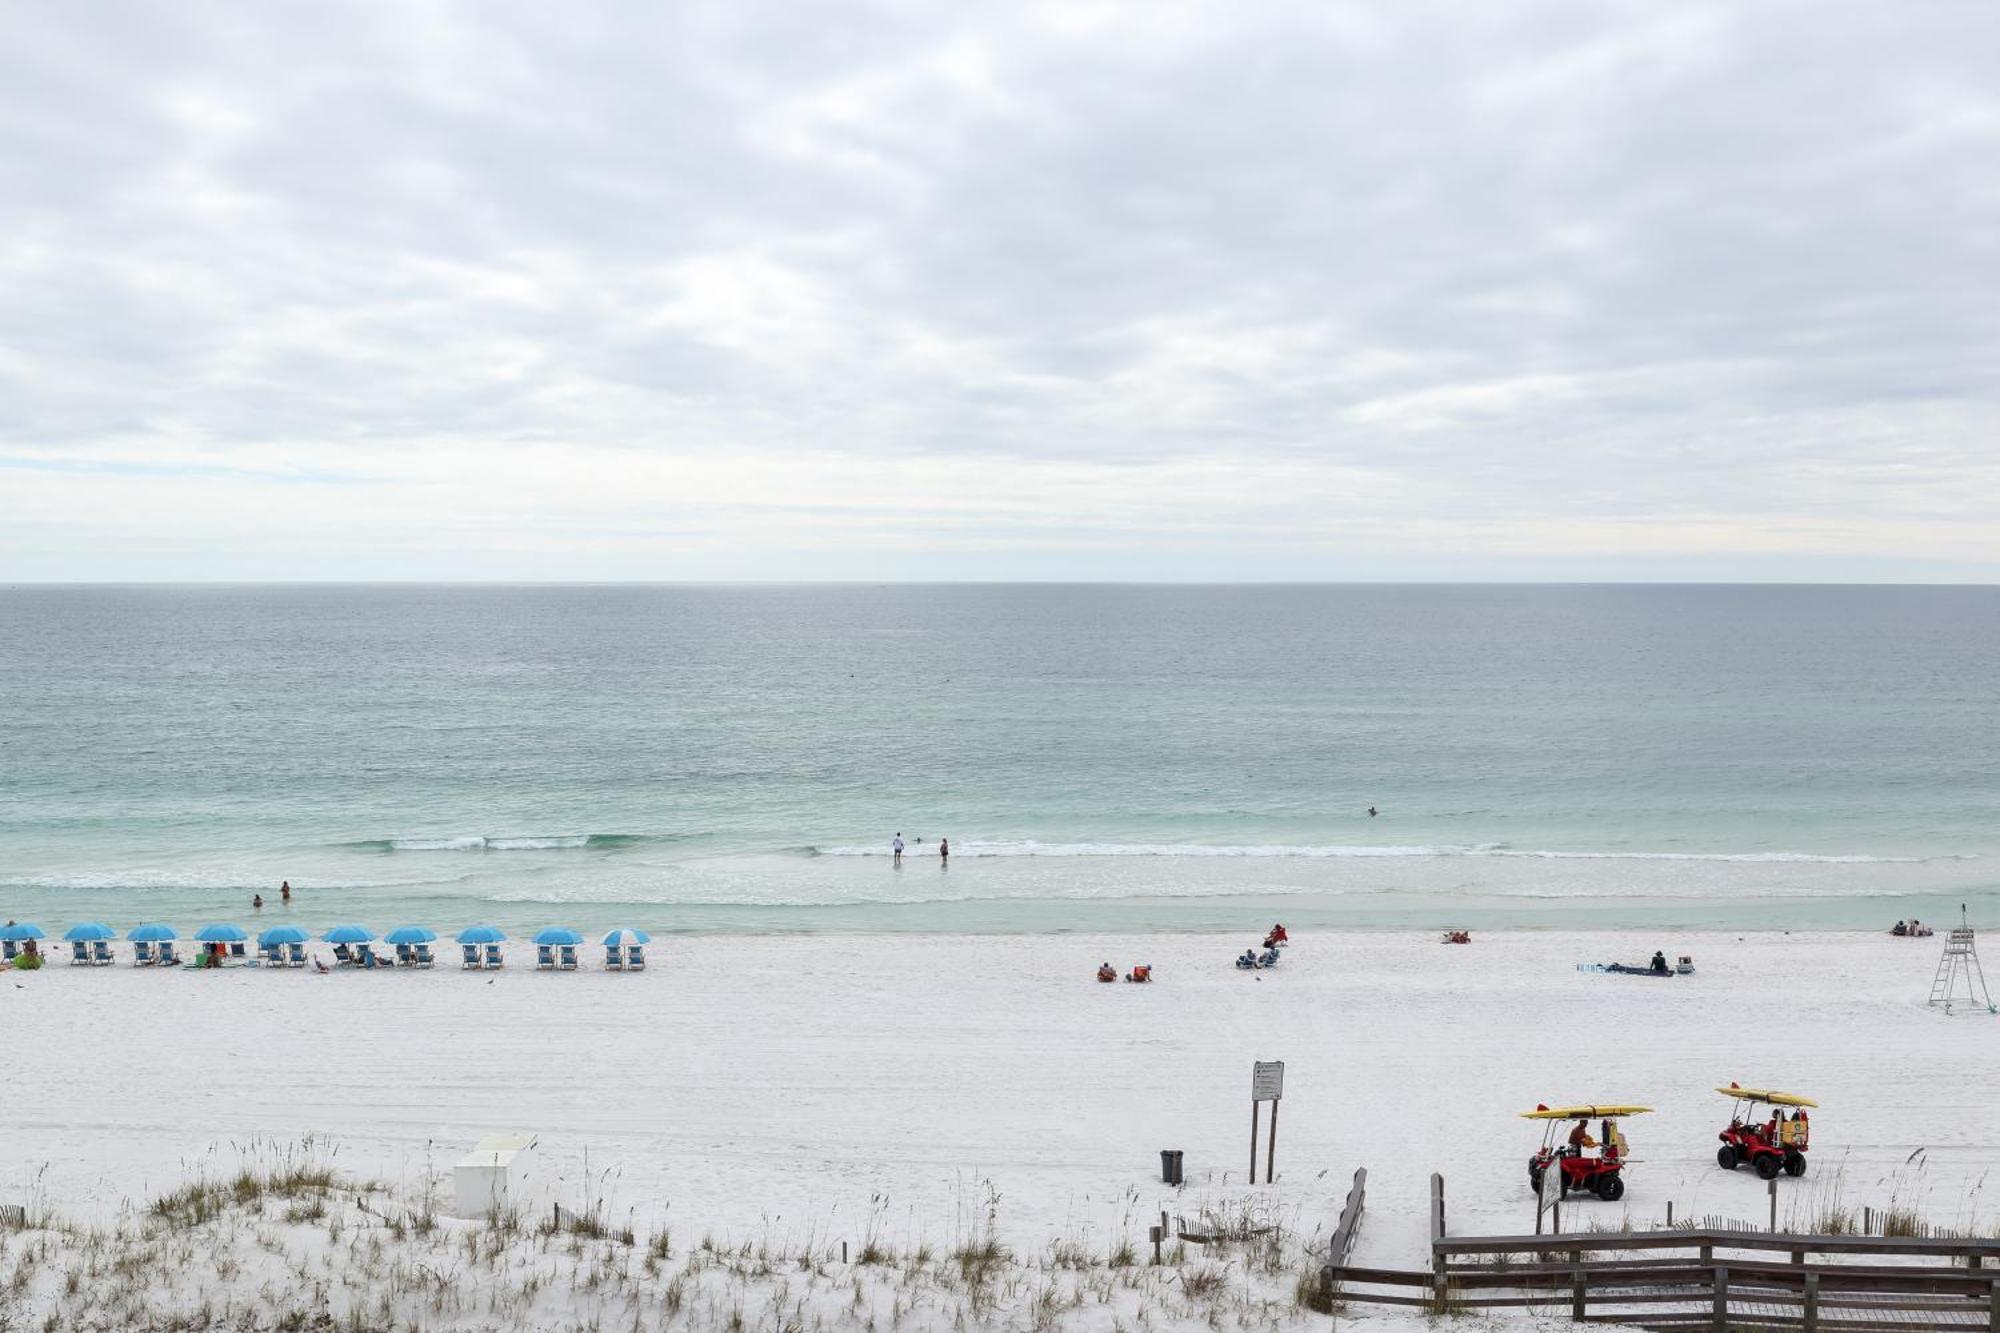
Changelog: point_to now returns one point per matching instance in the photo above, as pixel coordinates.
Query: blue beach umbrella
(22, 930)
(221, 934)
(152, 933)
(411, 935)
(282, 935)
(619, 939)
(88, 931)
(480, 935)
(558, 935)
(348, 935)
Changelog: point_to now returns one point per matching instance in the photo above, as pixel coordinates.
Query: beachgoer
(1660, 967)
(285, 891)
(1106, 972)
(1372, 812)
(944, 850)
(257, 902)
(897, 848)
(1579, 1139)
(1900, 929)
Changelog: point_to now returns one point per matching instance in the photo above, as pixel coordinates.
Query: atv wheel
(1768, 1166)
(1725, 1157)
(1534, 1182)
(1795, 1164)
(1611, 1188)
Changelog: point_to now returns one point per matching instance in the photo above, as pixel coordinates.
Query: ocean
(738, 758)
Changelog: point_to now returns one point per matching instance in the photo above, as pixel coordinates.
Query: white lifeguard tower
(1960, 980)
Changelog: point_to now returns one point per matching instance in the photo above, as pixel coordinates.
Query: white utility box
(493, 1177)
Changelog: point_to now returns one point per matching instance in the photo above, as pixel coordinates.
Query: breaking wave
(1267, 850)
(475, 842)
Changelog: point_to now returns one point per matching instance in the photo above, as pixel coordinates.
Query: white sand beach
(814, 1089)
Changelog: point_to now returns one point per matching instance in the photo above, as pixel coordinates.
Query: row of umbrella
(154, 932)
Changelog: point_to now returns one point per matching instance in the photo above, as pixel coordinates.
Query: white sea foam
(1279, 850)
(476, 843)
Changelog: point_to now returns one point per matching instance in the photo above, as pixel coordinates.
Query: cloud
(1188, 290)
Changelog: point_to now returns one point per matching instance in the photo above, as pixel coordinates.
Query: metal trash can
(1170, 1166)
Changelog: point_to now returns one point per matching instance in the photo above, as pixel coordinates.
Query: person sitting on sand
(1249, 959)
(1106, 972)
(1270, 958)
(1660, 968)
(1900, 928)
(1141, 972)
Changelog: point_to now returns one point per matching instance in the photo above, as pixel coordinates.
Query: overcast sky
(659, 291)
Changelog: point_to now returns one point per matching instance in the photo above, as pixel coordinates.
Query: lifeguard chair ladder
(1960, 979)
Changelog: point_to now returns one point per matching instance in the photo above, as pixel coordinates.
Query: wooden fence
(1699, 1277)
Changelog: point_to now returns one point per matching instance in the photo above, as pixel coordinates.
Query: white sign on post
(1267, 1081)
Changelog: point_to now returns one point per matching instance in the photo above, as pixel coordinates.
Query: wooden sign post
(1267, 1084)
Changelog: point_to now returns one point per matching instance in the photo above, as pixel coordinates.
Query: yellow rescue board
(1585, 1112)
(1766, 1095)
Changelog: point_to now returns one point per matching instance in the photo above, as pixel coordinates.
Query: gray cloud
(1213, 291)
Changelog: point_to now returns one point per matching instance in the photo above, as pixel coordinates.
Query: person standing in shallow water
(257, 902)
(897, 848)
(944, 852)
(285, 891)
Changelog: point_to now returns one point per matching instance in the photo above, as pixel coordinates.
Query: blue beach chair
(236, 949)
(100, 953)
(295, 955)
(635, 958)
(569, 958)
(471, 955)
(168, 958)
(614, 958)
(406, 956)
(273, 954)
(545, 958)
(142, 953)
(424, 958)
(79, 953)
(493, 958)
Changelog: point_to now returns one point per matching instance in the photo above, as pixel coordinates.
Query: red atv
(1602, 1175)
(1770, 1145)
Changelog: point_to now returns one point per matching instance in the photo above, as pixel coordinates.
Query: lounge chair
(142, 953)
(405, 956)
(8, 949)
(545, 957)
(168, 958)
(614, 958)
(343, 956)
(100, 953)
(296, 955)
(635, 958)
(424, 958)
(79, 953)
(493, 955)
(569, 957)
(471, 955)
(236, 949)
(273, 954)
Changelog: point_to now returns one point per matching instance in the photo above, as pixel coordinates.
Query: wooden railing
(1699, 1277)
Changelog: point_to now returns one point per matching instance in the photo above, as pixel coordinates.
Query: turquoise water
(1102, 757)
